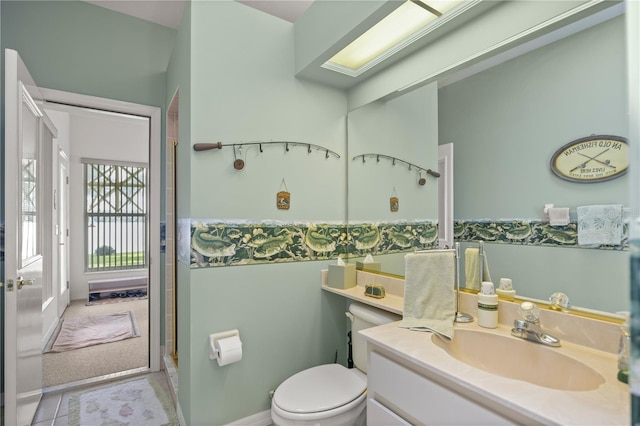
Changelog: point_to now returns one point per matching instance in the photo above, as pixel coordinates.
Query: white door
(62, 230)
(445, 196)
(25, 189)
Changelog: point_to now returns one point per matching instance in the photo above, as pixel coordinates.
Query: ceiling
(169, 12)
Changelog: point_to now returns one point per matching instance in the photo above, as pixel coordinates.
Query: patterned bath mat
(75, 333)
(138, 402)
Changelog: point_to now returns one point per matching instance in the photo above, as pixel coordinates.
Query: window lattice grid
(116, 217)
(29, 208)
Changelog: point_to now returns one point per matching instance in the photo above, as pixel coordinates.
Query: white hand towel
(472, 268)
(429, 303)
(600, 225)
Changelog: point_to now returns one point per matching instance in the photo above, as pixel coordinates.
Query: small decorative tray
(374, 290)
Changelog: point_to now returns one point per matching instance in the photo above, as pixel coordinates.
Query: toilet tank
(365, 316)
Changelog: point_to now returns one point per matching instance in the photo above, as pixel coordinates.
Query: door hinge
(67, 180)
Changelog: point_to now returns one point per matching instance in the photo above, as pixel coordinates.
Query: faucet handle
(559, 302)
(529, 311)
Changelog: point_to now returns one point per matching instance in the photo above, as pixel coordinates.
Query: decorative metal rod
(309, 146)
(394, 160)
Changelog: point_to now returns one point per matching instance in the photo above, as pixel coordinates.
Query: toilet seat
(320, 392)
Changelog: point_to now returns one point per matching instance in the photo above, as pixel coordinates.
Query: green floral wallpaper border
(222, 243)
(526, 232)
(234, 243)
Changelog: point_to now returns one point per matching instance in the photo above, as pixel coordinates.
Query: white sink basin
(520, 359)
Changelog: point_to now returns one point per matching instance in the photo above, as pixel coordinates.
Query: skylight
(407, 23)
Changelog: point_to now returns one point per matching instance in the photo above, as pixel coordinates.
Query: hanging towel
(600, 225)
(429, 303)
(472, 268)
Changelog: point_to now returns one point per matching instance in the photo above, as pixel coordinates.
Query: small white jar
(487, 306)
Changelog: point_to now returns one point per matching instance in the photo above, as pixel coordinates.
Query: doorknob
(22, 282)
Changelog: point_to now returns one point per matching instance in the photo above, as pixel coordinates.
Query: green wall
(243, 89)
(79, 47)
(405, 127)
(506, 123)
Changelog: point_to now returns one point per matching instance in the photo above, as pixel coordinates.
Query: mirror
(393, 190)
(505, 123)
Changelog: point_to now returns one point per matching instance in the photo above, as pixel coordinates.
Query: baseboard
(171, 374)
(262, 418)
(49, 334)
(181, 419)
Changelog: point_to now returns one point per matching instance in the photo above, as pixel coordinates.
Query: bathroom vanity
(413, 379)
(486, 376)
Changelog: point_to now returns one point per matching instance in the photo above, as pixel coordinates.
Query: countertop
(392, 302)
(607, 405)
(389, 303)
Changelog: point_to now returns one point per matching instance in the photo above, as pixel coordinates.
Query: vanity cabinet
(398, 395)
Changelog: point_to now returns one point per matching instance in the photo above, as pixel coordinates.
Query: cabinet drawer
(379, 415)
(421, 400)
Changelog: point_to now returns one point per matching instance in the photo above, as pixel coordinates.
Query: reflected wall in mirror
(383, 137)
(505, 123)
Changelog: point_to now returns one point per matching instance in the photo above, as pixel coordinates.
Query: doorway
(105, 362)
(171, 307)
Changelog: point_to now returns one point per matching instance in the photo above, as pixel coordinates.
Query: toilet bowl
(331, 394)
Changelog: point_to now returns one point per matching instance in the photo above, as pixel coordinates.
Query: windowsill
(118, 272)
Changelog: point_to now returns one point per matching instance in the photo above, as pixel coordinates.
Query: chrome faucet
(529, 327)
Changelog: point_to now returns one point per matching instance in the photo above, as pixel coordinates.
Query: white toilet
(331, 394)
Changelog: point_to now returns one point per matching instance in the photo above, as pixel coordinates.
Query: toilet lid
(320, 388)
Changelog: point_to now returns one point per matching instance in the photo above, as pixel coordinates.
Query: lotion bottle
(487, 306)
(623, 351)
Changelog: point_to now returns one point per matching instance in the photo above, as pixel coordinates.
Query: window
(116, 216)
(29, 209)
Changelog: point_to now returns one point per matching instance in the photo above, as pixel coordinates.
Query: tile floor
(54, 408)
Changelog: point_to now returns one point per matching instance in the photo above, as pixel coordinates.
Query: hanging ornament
(393, 201)
(421, 180)
(283, 198)
(238, 163)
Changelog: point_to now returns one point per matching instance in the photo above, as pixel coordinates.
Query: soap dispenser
(623, 351)
(487, 306)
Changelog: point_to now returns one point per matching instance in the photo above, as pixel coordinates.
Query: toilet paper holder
(213, 338)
